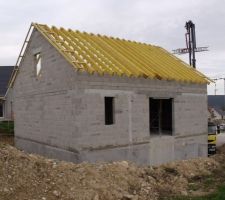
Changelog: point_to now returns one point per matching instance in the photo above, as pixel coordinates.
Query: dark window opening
(109, 110)
(160, 120)
(1, 109)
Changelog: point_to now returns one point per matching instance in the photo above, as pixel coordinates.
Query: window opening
(109, 110)
(38, 63)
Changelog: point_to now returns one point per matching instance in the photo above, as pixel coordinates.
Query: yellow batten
(107, 55)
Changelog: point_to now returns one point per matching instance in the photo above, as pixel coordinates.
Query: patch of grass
(7, 127)
(218, 195)
(208, 182)
(203, 182)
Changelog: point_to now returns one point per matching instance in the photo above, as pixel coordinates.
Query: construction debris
(29, 176)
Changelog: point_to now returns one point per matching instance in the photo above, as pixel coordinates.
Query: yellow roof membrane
(114, 56)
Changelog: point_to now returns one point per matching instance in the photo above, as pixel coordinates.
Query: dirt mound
(6, 139)
(221, 149)
(28, 176)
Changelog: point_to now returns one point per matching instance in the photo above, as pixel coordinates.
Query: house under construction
(85, 97)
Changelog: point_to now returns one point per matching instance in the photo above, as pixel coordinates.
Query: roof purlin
(120, 57)
(99, 55)
(88, 59)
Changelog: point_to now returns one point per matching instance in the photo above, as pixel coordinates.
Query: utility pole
(216, 79)
(215, 89)
(191, 48)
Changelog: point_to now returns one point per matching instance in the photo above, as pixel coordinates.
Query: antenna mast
(190, 44)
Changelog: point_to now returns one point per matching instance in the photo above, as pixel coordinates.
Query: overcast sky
(159, 22)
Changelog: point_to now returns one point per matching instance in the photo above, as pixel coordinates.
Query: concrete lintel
(105, 92)
(191, 135)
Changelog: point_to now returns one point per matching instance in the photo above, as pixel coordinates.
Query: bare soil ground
(28, 176)
(6, 139)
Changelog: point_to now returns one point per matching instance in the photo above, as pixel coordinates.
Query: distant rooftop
(220, 111)
(5, 74)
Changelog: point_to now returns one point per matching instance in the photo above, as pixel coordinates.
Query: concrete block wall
(61, 113)
(189, 109)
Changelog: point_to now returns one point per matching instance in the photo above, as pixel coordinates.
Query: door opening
(160, 120)
(1, 109)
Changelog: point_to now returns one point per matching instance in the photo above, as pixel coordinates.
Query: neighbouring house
(217, 113)
(216, 104)
(5, 97)
(85, 97)
(216, 101)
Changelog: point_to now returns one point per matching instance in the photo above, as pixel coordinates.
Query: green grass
(218, 195)
(7, 127)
